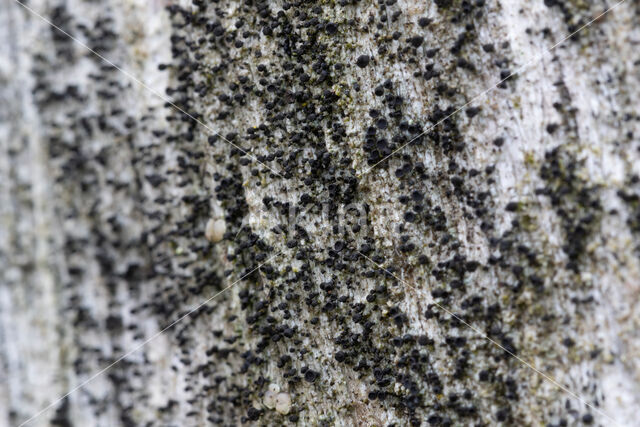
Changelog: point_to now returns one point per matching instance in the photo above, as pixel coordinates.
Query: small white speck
(269, 399)
(283, 403)
(215, 229)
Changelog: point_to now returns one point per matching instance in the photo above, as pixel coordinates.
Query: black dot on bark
(363, 61)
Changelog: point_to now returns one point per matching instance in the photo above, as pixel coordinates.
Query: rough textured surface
(520, 214)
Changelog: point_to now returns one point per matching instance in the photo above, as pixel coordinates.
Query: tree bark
(427, 217)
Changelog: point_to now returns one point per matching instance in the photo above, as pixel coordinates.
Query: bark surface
(351, 287)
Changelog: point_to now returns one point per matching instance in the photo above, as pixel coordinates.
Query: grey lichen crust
(351, 287)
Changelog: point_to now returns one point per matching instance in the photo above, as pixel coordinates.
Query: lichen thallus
(532, 61)
(147, 87)
(497, 344)
(215, 229)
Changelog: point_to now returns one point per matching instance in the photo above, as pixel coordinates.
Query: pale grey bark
(105, 194)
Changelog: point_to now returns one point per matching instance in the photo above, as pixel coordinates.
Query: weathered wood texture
(519, 215)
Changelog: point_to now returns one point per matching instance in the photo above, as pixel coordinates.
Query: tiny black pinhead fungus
(331, 28)
(363, 61)
(511, 206)
(424, 340)
(114, 323)
(416, 41)
(488, 48)
(253, 414)
(311, 376)
(424, 21)
(551, 128)
(472, 111)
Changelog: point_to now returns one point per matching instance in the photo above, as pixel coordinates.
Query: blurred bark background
(520, 214)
